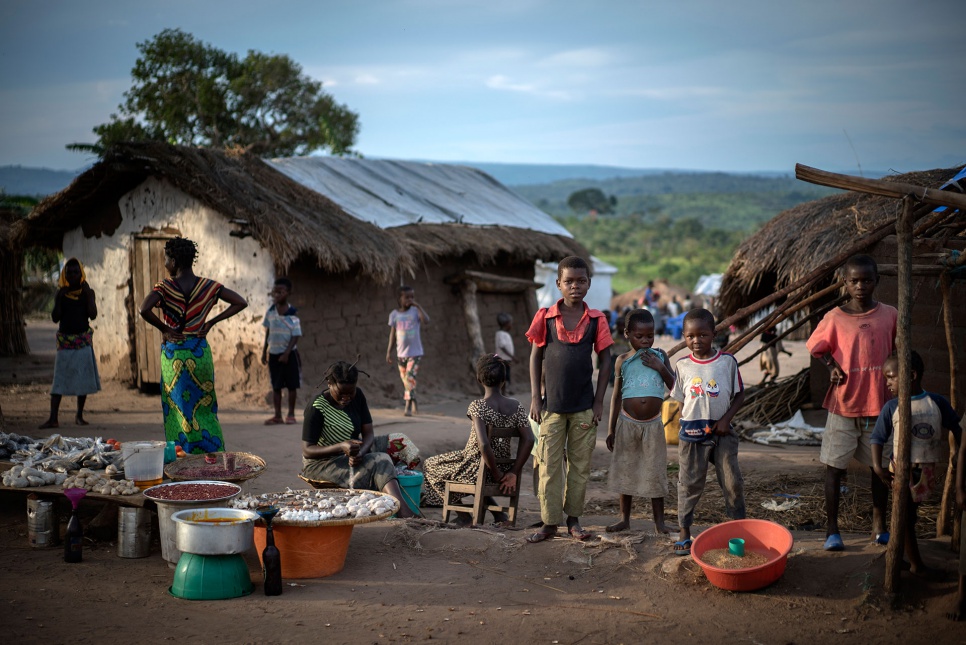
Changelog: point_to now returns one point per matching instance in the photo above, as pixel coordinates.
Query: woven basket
(175, 468)
(342, 521)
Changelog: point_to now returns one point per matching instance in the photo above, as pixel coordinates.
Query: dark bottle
(74, 540)
(271, 564)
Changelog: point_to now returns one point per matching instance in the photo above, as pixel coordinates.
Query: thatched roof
(798, 240)
(291, 219)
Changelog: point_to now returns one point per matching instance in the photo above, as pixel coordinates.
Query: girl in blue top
(635, 433)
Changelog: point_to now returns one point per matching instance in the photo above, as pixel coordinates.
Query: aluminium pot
(214, 531)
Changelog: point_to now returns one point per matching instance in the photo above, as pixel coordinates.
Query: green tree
(591, 199)
(188, 92)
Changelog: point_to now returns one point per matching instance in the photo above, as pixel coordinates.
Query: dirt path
(406, 582)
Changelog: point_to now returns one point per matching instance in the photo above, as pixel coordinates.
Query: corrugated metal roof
(390, 193)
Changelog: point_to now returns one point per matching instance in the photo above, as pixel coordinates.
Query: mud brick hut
(347, 232)
(802, 239)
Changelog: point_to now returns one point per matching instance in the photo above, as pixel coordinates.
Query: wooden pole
(900, 488)
(949, 488)
(932, 196)
(472, 315)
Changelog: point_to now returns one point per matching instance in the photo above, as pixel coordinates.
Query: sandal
(290, 421)
(578, 533)
(683, 547)
(540, 536)
(274, 421)
(834, 543)
(881, 539)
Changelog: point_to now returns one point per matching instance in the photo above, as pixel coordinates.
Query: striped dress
(187, 371)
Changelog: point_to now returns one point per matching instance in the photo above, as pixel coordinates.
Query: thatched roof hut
(802, 238)
(344, 230)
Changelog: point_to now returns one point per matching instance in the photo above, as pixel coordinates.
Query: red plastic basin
(762, 536)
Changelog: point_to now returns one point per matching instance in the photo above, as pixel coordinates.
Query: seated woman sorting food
(338, 442)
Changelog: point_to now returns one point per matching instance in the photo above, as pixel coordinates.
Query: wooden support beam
(472, 316)
(903, 430)
(895, 189)
(493, 283)
(947, 517)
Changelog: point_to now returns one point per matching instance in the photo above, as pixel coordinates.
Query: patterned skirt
(188, 396)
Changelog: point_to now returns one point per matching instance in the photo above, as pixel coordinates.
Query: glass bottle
(74, 540)
(271, 558)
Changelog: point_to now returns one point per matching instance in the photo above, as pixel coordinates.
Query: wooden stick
(903, 430)
(818, 312)
(949, 487)
(879, 187)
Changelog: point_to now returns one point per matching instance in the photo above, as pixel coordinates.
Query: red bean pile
(192, 492)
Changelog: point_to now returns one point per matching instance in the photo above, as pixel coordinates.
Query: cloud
(502, 83)
(586, 58)
(367, 79)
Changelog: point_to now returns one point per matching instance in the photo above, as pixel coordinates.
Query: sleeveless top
(570, 370)
(187, 312)
(639, 380)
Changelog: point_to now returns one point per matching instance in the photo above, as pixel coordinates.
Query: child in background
(282, 332)
(404, 324)
(930, 414)
(564, 338)
(493, 409)
(635, 433)
(768, 359)
(709, 385)
(853, 341)
(504, 345)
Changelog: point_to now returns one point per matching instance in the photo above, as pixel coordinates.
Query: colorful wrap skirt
(188, 396)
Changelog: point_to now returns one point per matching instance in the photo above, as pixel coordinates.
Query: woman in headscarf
(187, 370)
(75, 368)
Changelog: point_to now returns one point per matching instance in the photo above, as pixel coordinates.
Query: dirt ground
(419, 581)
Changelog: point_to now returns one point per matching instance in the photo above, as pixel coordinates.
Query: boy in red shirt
(854, 341)
(563, 339)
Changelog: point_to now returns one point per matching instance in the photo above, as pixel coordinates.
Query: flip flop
(578, 533)
(290, 421)
(881, 539)
(274, 421)
(540, 536)
(683, 547)
(834, 543)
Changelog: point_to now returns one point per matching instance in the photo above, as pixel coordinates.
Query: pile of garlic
(98, 483)
(308, 506)
(25, 477)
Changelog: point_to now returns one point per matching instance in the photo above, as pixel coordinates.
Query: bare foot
(48, 424)
(617, 528)
(462, 521)
(959, 612)
(79, 420)
(664, 529)
(409, 407)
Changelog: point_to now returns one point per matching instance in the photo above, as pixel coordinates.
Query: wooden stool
(318, 483)
(482, 489)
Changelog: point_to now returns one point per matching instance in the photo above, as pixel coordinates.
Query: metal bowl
(214, 531)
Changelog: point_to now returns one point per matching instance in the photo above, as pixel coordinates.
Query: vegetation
(187, 92)
(675, 226)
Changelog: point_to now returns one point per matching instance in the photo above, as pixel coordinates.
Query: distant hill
(35, 182)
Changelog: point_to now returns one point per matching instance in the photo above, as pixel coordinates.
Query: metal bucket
(133, 532)
(41, 523)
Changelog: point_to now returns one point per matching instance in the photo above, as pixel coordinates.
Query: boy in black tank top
(563, 340)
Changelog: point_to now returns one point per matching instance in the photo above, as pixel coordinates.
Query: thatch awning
(286, 218)
(489, 244)
(800, 239)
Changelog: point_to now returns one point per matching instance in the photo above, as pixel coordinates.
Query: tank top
(570, 370)
(639, 380)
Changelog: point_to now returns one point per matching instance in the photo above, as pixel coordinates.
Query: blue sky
(745, 85)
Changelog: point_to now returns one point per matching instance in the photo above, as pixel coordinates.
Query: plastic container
(760, 536)
(167, 508)
(143, 462)
(736, 546)
(412, 490)
(671, 417)
(308, 551)
(170, 452)
(133, 532)
(211, 577)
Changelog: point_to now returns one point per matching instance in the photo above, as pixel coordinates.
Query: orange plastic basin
(308, 551)
(762, 536)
